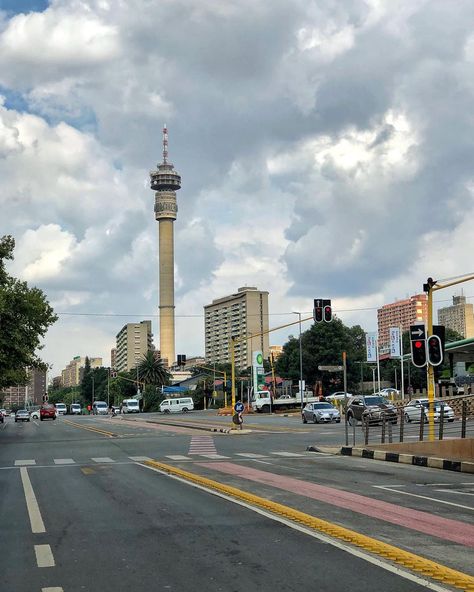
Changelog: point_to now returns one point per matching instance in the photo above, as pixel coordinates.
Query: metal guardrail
(383, 432)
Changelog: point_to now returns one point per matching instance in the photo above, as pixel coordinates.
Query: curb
(192, 426)
(431, 462)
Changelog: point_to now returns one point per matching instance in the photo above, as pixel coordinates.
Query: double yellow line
(91, 429)
(415, 563)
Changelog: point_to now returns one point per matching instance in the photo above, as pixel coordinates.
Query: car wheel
(41, 419)
(303, 417)
(407, 418)
(315, 419)
(54, 417)
(16, 419)
(350, 420)
(166, 411)
(450, 420)
(185, 409)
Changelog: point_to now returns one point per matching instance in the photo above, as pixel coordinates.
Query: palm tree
(151, 370)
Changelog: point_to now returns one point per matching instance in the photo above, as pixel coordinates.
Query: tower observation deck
(165, 181)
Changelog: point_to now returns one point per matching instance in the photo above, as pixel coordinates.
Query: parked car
(75, 409)
(416, 407)
(100, 408)
(320, 413)
(22, 415)
(373, 408)
(390, 392)
(47, 411)
(339, 396)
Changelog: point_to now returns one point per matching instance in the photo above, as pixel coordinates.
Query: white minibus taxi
(130, 406)
(181, 405)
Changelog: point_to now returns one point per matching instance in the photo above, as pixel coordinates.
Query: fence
(407, 429)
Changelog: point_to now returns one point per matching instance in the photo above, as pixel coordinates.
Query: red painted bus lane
(444, 528)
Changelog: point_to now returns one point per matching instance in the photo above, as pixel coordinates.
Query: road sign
(239, 407)
(417, 332)
(331, 368)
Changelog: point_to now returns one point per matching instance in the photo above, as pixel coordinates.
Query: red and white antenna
(165, 144)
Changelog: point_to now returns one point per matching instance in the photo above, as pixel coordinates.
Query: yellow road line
(91, 429)
(414, 563)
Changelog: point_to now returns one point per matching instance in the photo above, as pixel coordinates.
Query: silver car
(417, 408)
(22, 415)
(320, 413)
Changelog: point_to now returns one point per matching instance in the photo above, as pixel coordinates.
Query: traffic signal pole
(430, 287)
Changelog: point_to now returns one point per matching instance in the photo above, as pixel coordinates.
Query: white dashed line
(139, 458)
(177, 457)
(44, 556)
(24, 463)
(214, 456)
(287, 454)
(103, 459)
(64, 461)
(56, 589)
(37, 524)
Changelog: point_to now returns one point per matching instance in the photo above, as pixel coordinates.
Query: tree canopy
(25, 316)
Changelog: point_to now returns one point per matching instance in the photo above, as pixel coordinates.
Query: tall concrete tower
(165, 181)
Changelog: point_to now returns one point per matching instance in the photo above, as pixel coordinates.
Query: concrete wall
(455, 449)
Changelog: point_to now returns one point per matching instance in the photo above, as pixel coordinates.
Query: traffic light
(328, 313)
(418, 352)
(435, 350)
(318, 314)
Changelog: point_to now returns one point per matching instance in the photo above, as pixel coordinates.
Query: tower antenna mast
(165, 144)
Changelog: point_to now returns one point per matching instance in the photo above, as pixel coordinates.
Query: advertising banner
(371, 345)
(394, 342)
(258, 371)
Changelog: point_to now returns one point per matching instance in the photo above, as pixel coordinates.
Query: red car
(47, 411)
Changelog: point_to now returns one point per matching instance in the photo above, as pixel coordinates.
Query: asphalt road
(76, 497)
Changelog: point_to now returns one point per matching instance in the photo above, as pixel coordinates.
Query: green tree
(322, 345)
(86, 382)
(25, 316)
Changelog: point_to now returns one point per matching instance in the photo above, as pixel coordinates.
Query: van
(181, 405)
(61, 409)
(100, 408)
(130, 406)
(75, 409)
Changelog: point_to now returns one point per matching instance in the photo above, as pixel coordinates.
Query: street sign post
(239, 407)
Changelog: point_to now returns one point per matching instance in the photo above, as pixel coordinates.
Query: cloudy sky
(326, 150)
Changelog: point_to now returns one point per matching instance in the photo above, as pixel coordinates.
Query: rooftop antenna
(165, 144)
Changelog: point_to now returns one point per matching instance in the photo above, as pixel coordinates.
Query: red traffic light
(318, 314)
(418, 344)
(435, 350)
(418, 353)
(327, 314)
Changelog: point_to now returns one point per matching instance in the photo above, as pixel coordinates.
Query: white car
(416, 407)
(320, 413)
(61, 409)
(339, 396)
(389, 392)
(35, 414)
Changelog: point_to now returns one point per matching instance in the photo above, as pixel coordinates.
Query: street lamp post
(301, 361)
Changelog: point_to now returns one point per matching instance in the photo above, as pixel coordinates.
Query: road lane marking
(333, 534)
(36, 521)
(214, 456)
(90, 428)
(139, 458)
(455, 492)
(177, 457)
(427, 497)
(87, 471)
(55, 589)
(64, 461)
(103, 459)
(24, 463)
(287, 454)
(250, 455)
(44, 556)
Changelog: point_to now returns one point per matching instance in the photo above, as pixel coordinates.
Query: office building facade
(134, 340)
(402, 314)
(25, 396)
(236, 316)
(458, 317)
(72, 374)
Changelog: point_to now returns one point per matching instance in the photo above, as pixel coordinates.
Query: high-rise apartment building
(238, 315)
(402, 314)
(134, 340)
(72, 374)
(31, 394)
(113, 357)
(459, 317)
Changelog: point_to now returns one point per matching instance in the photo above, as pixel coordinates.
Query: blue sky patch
(12, 7)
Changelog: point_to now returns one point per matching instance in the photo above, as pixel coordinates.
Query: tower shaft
(166, 279)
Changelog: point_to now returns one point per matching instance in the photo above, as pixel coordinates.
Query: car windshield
(375, 401)
(323, 406)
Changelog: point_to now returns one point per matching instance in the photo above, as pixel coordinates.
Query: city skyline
(327, 156)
